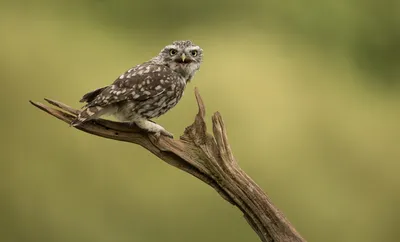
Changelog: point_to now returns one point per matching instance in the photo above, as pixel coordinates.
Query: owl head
(183, 57)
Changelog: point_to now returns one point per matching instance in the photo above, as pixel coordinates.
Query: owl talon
(157, 135)
(166, 133)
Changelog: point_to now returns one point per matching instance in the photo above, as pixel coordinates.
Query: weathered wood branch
(205, 156)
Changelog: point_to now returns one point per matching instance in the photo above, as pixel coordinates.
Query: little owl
(147, 90)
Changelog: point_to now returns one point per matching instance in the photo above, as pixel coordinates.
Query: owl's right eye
(173, 52)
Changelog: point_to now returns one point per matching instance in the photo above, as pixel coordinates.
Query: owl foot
(165, 133)
(153, 128)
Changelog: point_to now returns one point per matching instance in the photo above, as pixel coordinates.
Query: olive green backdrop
(309, 91)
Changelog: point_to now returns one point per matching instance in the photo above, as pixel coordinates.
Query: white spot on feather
(89, 112)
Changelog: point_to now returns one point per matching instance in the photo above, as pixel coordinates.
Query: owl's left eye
(194, 52)
(173, 52)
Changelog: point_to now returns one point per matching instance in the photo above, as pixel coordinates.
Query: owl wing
(139, 83)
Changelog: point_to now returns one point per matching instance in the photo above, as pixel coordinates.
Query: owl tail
(90, 96)
(88, 114)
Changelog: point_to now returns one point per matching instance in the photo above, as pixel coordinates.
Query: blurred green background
(309, 91)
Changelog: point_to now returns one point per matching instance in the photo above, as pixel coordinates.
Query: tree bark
(205, 156)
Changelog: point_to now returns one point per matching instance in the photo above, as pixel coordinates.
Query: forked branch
(205, 156)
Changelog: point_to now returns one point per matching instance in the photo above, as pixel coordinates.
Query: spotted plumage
(147, 90)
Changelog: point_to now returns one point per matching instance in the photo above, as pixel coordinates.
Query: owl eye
(173, 52)
(194, 52)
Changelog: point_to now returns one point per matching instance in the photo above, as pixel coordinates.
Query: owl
(147, 90)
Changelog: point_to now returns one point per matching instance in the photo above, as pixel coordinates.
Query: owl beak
(183, 57)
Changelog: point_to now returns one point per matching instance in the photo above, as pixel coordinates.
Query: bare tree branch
(205, 156)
